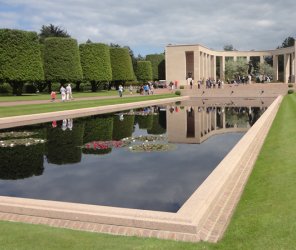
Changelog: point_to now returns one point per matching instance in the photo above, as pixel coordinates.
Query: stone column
(214, 119)
(293, 67)
(206, 66)
(234, 58)
(261, 61)
(214, 67)
(286, 67)
(202, 72)
(222, 68)
(248, 58)
(222, 119)
(196, 62)
(275, 67)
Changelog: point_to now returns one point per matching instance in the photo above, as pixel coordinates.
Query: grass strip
(46, 96)
(265, 217)
(7, 111)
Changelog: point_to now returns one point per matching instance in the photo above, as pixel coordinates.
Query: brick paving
(214, 226)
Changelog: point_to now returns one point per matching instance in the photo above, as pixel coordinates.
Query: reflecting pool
(93, 160)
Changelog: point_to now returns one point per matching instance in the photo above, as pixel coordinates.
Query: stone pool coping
(204, 216)
(14, 121)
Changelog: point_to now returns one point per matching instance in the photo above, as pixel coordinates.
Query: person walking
(199, 82)
(219, 84)
(69, 92)
(249, 79)
(151, 89)
(176, 84)
(141, 90)
(120, 89)
(52, 96)
(190, 84)
(131, 89)
(146, 89)
(171, 85)
(243, 80)
(63, 92)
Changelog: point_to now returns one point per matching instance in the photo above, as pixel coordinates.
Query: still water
(61, 170)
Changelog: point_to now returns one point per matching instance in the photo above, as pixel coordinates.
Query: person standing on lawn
(69, 92)
(63, 92)
(52, 96)
(131, 89)
(120, 90)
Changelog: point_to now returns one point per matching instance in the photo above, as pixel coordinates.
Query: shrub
(145, 121)
(178, 103)
(20, 58)
(30, 88)
(178, 92)
(181, 87)
(156, 129)
(290, 85)
(290, 91)
(3, 89)
(122, 129)
(144, 71)
(121, 64)
(158, 66)
(182, 107)
(138, 91)
(95, 63)
(61, 60)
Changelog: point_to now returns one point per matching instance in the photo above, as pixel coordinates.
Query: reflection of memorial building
(198, 121)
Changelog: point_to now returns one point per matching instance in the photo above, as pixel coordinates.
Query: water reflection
(61, 170)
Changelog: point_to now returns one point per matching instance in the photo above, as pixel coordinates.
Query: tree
(20, 59)
(288, 42)
(158, 66)
(265, 69)
(229, 47)
(51, 31)
(121, 64)
(236, 68)
(144, 71)
(61, 60)
(88, 41)
(156, 129)
(95, 63)
(123, 129)
(41, 84)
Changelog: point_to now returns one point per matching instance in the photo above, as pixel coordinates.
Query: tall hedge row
(95, 63)
(144, 71)
(121, 63)
(122, 129)
(62, 60)
(20, 59)
(156, 129)
(158, 66)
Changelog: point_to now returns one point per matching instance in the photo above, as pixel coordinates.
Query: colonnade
(185, 62)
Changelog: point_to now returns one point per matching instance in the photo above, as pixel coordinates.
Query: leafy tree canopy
(288, 42)
(229, 47)
(51, 31)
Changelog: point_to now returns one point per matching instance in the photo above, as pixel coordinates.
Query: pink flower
(168, 148)
(140, 147)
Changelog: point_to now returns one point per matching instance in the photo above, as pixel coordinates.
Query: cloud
(247, 25)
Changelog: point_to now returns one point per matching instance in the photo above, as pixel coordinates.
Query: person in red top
(176, 83)
(53, 96)
(176, 109)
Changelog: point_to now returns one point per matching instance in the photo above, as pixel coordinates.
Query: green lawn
(264, 219)
(6, 111)
(46, 96)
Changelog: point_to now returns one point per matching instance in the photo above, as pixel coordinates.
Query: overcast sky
(147, 26)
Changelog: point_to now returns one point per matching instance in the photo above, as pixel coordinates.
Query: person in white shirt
(69, 92)
(63, 92)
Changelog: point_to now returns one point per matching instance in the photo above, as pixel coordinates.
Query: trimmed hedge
(121, 64)
(290, 91)
(63, 145)
(21, 162)
(98, 128)
(158, 66)
(156, 129)
(290, 85)
(181, 87)
(145, 121)
(95, 63)
(178, 92)
(20, 59)
(144, 71)
(123, 129)
(61, 60)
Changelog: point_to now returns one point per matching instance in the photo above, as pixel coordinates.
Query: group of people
(67, 123)
(211, 83)
(172, 84)
(148, 89)
(65, 92)
(238, 80)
